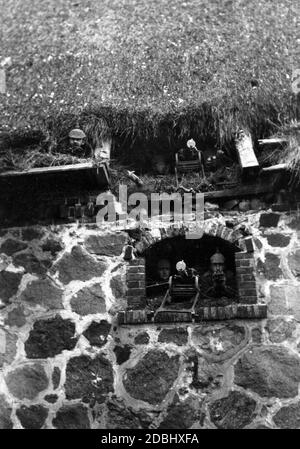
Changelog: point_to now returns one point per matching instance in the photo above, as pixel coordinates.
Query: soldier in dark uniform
(217, 281)
(77, 145)
(164, 270)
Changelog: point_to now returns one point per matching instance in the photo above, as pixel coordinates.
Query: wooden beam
(247, 159)
(47, 170)
(80, 175)
(274, 141)
(273, 168)
(241, 191)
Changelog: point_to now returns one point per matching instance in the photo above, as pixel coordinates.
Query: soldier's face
(164, 272)
(217, 267)
(76, 142)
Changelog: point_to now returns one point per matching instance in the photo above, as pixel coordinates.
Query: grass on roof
(157, 72)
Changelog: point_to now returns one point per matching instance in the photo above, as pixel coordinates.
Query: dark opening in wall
(162, 257)
(150, 299)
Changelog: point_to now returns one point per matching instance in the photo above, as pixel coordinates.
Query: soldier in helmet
(76, 137)
(164, 270)
(218, 281)
(77, 145)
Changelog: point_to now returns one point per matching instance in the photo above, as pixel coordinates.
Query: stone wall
(65, 362)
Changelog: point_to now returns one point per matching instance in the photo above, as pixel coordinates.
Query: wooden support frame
(188, 166)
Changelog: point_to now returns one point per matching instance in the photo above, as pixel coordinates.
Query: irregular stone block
(288, 417)
(292, 293)
(272, 269)
(278, 240)
(277, 304)
(32, 233)
(97, 333)
(181, 415)
(120, 416)
(50, 337)
(16, 317)
(52, 246)
(294, 263)
(269, 220)
(177, 335)
(118, 287)
(77, 265)
(270, 371)
(285, 300)
(258, 243)
(295, 224)
(5, 414)
(9, 284)
(235, 411)
(280, 329)
(51, 398)
(27, 381)
(32, 417)
(106, 245)
(256, 334)
(152, 377)
(72, 417)
(43, 292)
(8, 346)
(220, 342)
(89, 300)
(249, 244)
(31, 264)
(88, 379)
(11, 246)
(207, 376)
(122, 353)
(142, 339)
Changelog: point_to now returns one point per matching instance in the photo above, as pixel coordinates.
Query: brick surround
(246, 283)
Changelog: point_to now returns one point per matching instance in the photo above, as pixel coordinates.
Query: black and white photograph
(149, 219)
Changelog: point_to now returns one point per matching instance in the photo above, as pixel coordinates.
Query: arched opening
(161, 259)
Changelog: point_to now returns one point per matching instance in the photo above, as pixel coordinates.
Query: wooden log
(241, 191)
(274, 141)
(87, 173)
(247, 159)
(46, 170)
(273, 168)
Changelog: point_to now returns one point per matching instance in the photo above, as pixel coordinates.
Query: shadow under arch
(195, 253)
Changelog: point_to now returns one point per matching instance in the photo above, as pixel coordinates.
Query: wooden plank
(46, 170)
(247, 159)
(273, 168)
(241, 191)
(274, 141)
(83, 176)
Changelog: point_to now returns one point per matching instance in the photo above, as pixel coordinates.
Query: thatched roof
(154, 71)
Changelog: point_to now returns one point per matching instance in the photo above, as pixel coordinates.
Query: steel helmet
(217, 257)
(76, 134)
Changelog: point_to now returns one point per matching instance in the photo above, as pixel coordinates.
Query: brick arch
(213, 228)
(244, 259)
